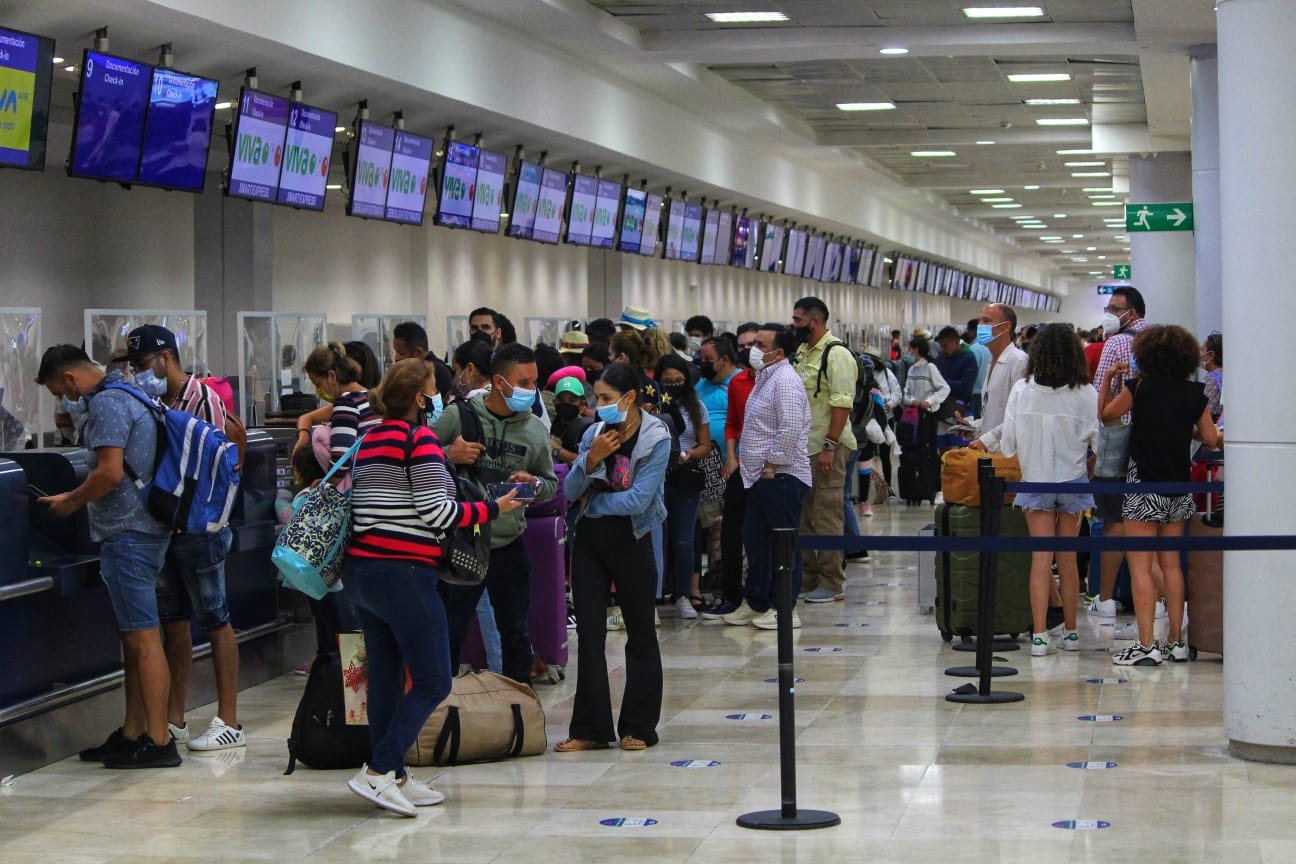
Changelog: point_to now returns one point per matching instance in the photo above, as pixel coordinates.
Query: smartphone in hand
(525, 491)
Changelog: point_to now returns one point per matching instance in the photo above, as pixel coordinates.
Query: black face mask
(566, 411)
(744, 357)
(708, 370)
(802, 334)
(673, 390)
(593, 375)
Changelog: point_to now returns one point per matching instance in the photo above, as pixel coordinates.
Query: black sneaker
(117, 743)
(145, 754)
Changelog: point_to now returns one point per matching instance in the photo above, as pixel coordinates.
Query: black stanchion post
(788, 818)
(992, 492)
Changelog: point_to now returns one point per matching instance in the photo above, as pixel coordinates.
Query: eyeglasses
(143, 362)
(1116, 310)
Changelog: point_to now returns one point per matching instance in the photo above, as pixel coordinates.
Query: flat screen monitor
(177, 131)
(850, 264)
(26, 70)
(458, 179)
(814, 258)
(773, 259)
(606, 207)
(794, 258)
(109, 130)
(691, 238)
(488, 194)
(710, 222)
(743, 243)
(372, 170)
(632, 221)
(651, 225)
(675, 229)
(308, 152)
(549, 212)
(580, 218)
(832, 265)
(526, 198)
(724, 237)
(411, 166)
(260, 128)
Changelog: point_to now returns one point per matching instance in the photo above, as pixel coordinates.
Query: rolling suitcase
(1204, 578)
(958, 575)
(918, 476)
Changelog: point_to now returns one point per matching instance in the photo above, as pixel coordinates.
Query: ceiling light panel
(746, 17)
(996, 12)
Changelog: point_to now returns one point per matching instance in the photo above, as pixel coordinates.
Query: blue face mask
(985, 333)
(612, 414)
(80, 406)
(519, 400)
(434, 406)
(148, 381)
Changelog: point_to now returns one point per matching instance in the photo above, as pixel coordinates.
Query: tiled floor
(914, 778)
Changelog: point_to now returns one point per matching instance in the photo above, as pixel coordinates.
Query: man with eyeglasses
(1122, 319)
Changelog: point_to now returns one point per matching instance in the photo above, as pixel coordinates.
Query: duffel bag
(959, 475)
(485, 717)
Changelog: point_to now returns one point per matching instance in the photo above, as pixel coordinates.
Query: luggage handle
(448, 739)
(519, 732)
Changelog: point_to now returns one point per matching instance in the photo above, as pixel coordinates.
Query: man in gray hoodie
(500, 441)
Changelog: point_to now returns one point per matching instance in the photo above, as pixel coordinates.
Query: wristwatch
(828, 445)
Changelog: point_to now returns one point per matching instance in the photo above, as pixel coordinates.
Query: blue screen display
(110, 117)
(177, 133)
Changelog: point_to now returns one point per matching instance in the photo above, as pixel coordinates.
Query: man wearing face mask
(515, 448)
(699, 328)
(1007, 367)
(829, 370)
(193, 578)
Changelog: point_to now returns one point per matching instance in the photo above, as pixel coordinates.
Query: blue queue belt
(902, 543)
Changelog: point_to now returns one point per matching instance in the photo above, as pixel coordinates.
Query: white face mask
(1111, 324)
(757, 359)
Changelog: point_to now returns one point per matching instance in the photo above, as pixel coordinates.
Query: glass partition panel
(376, 332)
(272, 348)
(21, 399)
(106, 331)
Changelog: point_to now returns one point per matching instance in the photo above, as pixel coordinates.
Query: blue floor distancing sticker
(775, 681)
(823, 650)
(749, 716)
(1101, 718)
(1082, 824)
(628, 822)
(695, 763)
(1092, 766)
(1108, 680)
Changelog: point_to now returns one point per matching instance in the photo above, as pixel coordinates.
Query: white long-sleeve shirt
(925, 384)
(1050, 430)
(1009, 368)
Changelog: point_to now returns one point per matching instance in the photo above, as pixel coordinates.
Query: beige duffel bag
(485, 717)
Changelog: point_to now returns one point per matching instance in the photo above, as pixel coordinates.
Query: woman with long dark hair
(684, 480)
(617, 482)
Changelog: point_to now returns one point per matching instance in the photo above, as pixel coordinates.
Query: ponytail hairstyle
(331, 358)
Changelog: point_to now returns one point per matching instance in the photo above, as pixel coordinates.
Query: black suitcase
(918, 476)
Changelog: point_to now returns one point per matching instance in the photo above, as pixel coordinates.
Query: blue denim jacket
(644, 502)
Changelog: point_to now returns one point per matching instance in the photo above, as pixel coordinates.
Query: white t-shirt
(1050, 430)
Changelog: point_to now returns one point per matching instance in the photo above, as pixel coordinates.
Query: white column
(1257, 119)
(1162, 261)
(1204, 75)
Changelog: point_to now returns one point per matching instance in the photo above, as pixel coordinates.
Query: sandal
(576, 745)
(629, 742)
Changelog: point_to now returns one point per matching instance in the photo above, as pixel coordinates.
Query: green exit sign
(1159, 217)
(1121, 271)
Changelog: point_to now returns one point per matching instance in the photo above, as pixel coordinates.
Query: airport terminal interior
(264, 178)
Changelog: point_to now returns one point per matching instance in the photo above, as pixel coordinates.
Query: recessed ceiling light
(932, 154)
(1096, 189)
(996, 200)
(1067, 251)
(1075, 152)
(1102, 257)
(1061, 121)
(1038, 77)
(1050, 237)
(339, 129)
(1052, 101)
(1119, 238)
(1107, 197)
(333, 186)
(1030, 188)
(985, 142)
(1090, 173)
(1091, 248)
(1004, 206)
(1059, 215)
(1003, 12)
(1084, 164)
(985, 191)
(1077, 236)
(865, 106)
(56, 60)
(1108, 204)
(746, 17)
(894, 51)
(222, 106)
(1095, 273)
(69, 68)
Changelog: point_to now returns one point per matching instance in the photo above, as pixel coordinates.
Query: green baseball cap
(570, 385)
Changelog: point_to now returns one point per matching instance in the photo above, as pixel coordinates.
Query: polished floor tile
(913, 777)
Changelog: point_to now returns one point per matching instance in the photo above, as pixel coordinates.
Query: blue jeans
(850, 521)
(659, 556)
(489, 634)
(404, 627)
(194, 578)
(771, 503)
(681, 520)
(129, 564)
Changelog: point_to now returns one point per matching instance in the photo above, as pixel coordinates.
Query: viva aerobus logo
(690, 234)
(602, 216)
(299, 160)
(9, 100)
(368, 174)
(405, 182)
(456, 189)
(547, 209)
(255, 150)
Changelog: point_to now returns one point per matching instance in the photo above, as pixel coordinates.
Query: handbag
(879, 492)
(465, 552)
(308, 552)
(1113, 451)
(687, 478)
(485, 717)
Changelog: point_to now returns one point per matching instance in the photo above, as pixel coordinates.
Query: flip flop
(577, 745)
(629, 742)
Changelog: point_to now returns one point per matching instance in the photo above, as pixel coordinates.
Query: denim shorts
(1062, 502)
(193, 577)
(129, 563)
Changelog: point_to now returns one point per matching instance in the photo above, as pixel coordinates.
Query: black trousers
(509, 582)
(605, 551)
(731, 538)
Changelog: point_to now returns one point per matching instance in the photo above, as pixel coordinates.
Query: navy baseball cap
(146, 340)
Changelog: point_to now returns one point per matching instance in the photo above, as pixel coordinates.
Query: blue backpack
(195, 476)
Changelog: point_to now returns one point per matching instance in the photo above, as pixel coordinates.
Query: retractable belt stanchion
(992, 495)
(789, 818)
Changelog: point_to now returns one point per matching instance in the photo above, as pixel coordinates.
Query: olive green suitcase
(958, 576)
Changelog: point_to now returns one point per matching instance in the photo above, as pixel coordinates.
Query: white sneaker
(1126, 632)
(1102, 608)
(219, 736)
(768, 620)
(742, 616)
(382, 790)
(179, 733)
(1041, 644)
(1138, 655)
(614, 620)
(1175, 651)
(1069, 640)
(419, 793)
(684, 609)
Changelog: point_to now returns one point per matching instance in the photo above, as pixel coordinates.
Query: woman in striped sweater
(402, 500)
